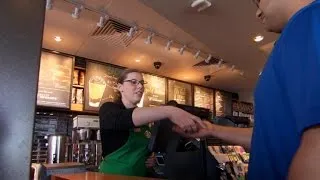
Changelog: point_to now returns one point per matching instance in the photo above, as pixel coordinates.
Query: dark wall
(21, 28)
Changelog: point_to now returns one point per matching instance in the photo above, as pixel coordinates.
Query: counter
(95, 176)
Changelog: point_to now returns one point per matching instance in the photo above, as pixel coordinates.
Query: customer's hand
(186, 122)
(151, 161)
(201, 133)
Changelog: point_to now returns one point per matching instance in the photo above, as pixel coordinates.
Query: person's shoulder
(311, 10)
(110, 105)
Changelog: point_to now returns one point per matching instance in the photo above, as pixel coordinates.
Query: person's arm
(306, 162)
(183, 119)
(233, 135)
(113, 117)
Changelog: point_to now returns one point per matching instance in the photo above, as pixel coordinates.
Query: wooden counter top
(95, 176)
(63, 165)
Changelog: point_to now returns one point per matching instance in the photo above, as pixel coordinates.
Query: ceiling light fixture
(202, 4)
(132, 31)
(208, 59)
(57, 38)
(220, 63)
(168, 45)
(233, 67)
(49, 4)
(258, 38)
(138, 60)
(181, 50)
(102, 21)
(197, 54)
(76, 13)
(149, 39)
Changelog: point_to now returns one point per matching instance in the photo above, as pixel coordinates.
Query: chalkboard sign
(54, 85)
(101, 85)
(180, 92)
(223, 103)
(203, 97)
(154, 91)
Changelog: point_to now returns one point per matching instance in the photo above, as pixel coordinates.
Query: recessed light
(56, 52)
(57, 38)
(258, 38)
(138, 60)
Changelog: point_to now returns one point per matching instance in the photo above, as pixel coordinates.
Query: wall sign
(55, 77)
(180, 92)
(203, 97)
(154, 91)
(223, 103)
(100, 85)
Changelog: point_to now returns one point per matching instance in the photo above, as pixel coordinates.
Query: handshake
(189, 125)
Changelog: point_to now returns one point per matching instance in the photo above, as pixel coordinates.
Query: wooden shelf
(78, 86)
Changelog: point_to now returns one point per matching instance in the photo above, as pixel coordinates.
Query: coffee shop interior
(206, 55)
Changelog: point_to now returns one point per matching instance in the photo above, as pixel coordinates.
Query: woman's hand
(201, 133)
(151, 161)
(185, 121)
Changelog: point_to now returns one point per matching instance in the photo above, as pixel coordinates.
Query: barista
(124, 127)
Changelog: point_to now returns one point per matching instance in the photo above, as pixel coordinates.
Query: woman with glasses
(124, 127)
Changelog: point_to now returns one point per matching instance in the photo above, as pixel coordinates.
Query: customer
(125, 131)
(286, 135)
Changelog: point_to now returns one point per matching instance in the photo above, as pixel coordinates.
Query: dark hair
(125, 73)
(172, 103)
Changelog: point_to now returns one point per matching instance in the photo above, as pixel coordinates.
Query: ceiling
(226, 30)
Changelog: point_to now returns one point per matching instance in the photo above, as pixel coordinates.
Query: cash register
(178, 157)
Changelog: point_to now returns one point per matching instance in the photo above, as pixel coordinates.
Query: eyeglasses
(135, 82)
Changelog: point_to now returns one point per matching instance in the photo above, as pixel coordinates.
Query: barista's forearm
(145, 115)
(239, 136)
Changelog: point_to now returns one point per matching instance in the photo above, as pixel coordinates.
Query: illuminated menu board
(223, 103)
(180, 92)
(154, 91)
(203, 97)
(54, 85)
(100, 85)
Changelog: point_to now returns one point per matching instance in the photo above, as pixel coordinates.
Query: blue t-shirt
(287, 97)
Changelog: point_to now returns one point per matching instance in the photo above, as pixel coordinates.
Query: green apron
(130, 158)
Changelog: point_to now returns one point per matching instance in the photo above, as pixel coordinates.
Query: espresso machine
(86, 142)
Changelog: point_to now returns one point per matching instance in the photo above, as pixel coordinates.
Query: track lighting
(132, 31)
(197, 54)
(168, 46)
(49, 4)
(76, 13)
(208, 58)
(232, 67)
(149, 39)
(102, 21)
(220, 63)
(181, 50)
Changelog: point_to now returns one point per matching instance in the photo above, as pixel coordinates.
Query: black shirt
(115, 123)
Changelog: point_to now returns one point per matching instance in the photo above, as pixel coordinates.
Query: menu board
(223, 103)
(242, 107)
(54, 85)
(203, 97)
(154, 91)
(180, 92)
(101, 85)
